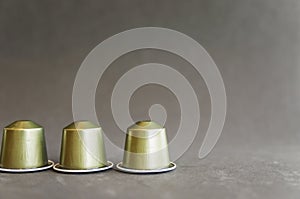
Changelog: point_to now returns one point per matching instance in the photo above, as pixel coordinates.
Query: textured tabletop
(223, 174)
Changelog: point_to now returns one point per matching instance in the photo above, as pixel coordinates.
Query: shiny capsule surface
(82, 146)
(146, 147)
(23, 146)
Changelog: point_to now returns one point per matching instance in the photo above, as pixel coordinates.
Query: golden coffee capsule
(82, 149)
(146, 149)
(24, 148)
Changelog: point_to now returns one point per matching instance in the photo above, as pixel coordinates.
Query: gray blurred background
(255, 44)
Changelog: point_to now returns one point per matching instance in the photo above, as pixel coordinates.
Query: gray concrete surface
(224, 174)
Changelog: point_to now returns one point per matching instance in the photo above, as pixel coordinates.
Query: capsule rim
(48, 166)
(58, 168)
(172, 166)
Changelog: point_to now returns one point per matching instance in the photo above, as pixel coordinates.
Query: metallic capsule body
(146, 147)
(82, 146)
(23, 146)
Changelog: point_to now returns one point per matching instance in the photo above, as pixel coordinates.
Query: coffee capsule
(82, 149)
(146, 149)
(24, 148)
